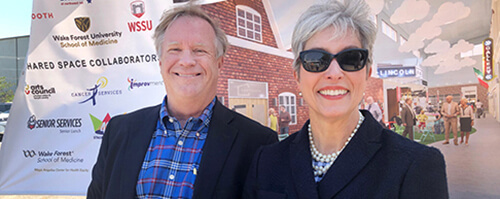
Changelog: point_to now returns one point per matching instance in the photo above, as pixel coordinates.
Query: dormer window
(248, 23)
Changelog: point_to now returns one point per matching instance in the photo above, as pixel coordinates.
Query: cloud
(376, 6)
(450, 12)
(447, 13)
(462, 46)
(437, 46)
(409, 11)
(416, 41)
(447, 58)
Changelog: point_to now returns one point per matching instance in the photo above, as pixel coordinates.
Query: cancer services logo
(96, 90)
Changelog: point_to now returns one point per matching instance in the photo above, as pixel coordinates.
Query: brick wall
(457, 90)
(225, 12)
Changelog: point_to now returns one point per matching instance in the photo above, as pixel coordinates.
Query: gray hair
(349, 17)
(191, 10)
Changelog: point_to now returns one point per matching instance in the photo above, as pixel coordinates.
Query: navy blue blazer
(231, 143)
(377, 163)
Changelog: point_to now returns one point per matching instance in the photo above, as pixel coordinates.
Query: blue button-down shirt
(170, 167)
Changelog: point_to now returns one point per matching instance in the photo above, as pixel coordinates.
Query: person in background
(284, 122)
(480, 110)
(408, 117)
(438, 125)
(272, 121)
(450, 111)
(341, 151)
(374, 109)
(189, 146)
(422, 119)
(466, 120)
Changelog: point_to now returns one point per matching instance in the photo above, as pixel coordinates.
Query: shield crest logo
(82, 23)
(137, 8)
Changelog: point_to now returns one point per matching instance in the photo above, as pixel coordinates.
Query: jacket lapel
(362, 147)
(135, 149)
(301, 165)
(215, 151)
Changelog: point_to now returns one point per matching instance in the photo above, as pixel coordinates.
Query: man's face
(448, 99)
(282, 109)
(188, 62)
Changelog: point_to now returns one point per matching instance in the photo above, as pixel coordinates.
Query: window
(477, 50)
(248, 23)
(289, 101)
(389, 31)
(402, 40)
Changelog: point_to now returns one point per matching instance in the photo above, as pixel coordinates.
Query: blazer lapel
(139, 134)
(301, 165)
(364, 145)
(215, 151)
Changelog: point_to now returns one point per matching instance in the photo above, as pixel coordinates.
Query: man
(190, 146)
(450, 110)
(479, 109)
(284, 121)
(408, 117)
(374, 110)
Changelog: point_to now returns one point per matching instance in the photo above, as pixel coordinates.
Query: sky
(15, 18)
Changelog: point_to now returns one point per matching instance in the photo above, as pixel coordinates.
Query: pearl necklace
(330, 158)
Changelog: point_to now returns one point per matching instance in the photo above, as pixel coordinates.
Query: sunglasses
(350, 60)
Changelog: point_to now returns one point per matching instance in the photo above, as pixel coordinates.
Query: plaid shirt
(173, 158)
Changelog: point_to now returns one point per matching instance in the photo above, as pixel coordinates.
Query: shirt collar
(204, 118)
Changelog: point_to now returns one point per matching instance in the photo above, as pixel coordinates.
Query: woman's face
(333, 92)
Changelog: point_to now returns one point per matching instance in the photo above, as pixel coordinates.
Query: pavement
(473, 170)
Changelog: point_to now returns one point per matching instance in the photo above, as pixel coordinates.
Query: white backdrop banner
(88, 60)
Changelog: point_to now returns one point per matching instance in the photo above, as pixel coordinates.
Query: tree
(6, 93)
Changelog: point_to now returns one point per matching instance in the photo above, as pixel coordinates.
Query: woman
(341, 152)
(272, 121)
(466, 120)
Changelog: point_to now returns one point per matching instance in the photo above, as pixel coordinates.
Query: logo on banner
(59, 123)
(133, 83)
(73, 2)
(29, 153)
(137, 8)
(100, 125)
(39, 91)
(94, 91)
(82, 23)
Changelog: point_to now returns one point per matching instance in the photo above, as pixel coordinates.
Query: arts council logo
(100, 125)
(39, 91)
(96, 90)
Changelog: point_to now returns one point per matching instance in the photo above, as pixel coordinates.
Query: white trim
(258, 47)
(273, 23)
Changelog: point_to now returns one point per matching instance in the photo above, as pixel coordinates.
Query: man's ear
(220, 62)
